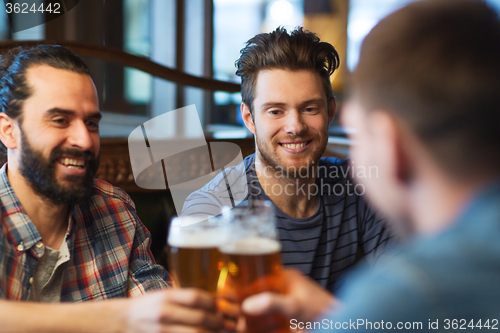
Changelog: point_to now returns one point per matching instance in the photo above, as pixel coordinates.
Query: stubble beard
(270, 159)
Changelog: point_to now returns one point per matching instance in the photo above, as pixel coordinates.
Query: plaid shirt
(108, 245)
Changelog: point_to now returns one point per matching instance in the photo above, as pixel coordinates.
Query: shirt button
(31, 280)
(20, 247)
(39, 245)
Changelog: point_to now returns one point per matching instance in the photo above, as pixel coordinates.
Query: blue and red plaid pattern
(108, 245)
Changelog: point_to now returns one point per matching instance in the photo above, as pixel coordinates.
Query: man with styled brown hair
(425, 101)
(324, 224)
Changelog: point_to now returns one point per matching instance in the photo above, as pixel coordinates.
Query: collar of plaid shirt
(17, 222)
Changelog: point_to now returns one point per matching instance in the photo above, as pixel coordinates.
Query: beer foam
(181, 237)
(251, 246)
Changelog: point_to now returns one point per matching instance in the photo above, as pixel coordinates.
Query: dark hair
(435, 65)
(14, 89)
(279, 50)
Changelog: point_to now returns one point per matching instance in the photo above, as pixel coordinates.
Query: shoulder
(396, 289)
(444, 276)
(106, 192)
(230, 185)
(231, 176)
(108, 205)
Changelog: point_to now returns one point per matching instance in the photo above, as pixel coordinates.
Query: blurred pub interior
(201, 38)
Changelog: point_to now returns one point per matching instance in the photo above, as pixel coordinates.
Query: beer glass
(252, 262)
(194, 257)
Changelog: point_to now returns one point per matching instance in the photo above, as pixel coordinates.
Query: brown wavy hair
(297, 50)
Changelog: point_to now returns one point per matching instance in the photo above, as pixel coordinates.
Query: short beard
(40, 173)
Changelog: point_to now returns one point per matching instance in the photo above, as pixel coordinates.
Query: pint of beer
(252, 264)
(194, 257)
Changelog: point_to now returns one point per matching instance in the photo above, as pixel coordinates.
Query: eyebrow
(280, 104)
(313, 100)
(272, 104)
(57, 111)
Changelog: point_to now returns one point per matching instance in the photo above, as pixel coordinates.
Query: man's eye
(59, 121)
(94, 125)
(311, 110)
(275, 112)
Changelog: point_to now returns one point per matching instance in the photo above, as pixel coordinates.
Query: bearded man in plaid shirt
(65, 236)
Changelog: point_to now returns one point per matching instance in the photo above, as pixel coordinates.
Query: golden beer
(195, 267)
(252, 266)
(194, 258)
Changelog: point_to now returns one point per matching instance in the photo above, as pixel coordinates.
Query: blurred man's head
(287, 95)
(433, 70)
(49, 122)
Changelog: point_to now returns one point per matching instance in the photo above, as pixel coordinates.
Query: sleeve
(144, 274)
(200, 203)
(3, 268)
(226, 189)
(375, 235)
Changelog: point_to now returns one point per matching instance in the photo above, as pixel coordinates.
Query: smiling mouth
(72, 163)
(295, 145)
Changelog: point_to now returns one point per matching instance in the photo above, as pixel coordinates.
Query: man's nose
(295, 123)
(80, 136)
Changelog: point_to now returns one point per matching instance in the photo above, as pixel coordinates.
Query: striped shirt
(323, 246)
(108, 247)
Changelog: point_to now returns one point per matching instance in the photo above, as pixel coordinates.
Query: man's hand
(174, 310)
(230, 309)
(304, 300)
(168, 310)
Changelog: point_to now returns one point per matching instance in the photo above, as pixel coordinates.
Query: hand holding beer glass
(252, 262)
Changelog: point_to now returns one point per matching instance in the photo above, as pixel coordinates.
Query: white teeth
(72, 163)
(294, 145)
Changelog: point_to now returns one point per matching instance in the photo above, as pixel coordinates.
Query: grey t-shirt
(47, 278)
(323, 246)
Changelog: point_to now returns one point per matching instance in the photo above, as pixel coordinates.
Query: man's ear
(391, 146)
(246, 115)
(332, 110)
(8, 132)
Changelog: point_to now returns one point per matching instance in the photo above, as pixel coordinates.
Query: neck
(294, 196)
(440, 201)
(51, 220)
